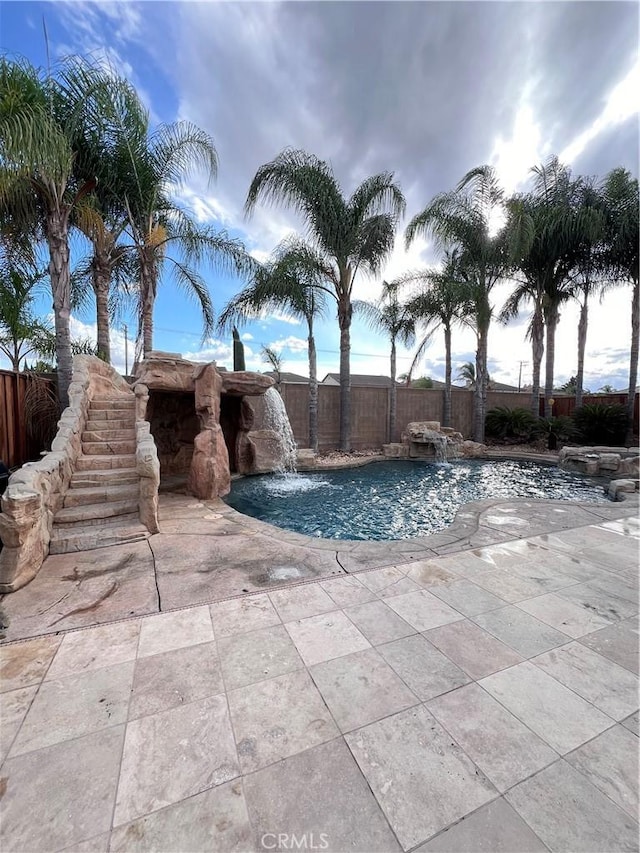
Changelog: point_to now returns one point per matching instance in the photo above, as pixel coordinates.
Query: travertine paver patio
(481, 701)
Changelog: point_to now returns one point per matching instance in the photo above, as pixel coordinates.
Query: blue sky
(426, 90)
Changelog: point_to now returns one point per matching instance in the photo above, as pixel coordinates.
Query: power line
(326, 351)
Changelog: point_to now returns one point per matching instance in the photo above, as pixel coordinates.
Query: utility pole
(126, 351)
(520, 374)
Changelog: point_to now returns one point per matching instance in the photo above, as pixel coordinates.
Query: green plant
(601, 423)
(41, 410)
(238, 352)
(502, 422)
(554, 429)
(423, 382)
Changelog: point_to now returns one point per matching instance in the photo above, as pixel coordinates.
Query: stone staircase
(101, 504)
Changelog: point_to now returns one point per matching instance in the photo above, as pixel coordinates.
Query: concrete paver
(175, 754)
(524, 633)
(422, 779)
(552, 711)
(319, 795)
(277, 718)
(610, 762)
(378, 622)
(361, 688)
(494, 828)
(257, 656)
(618, 643)
(327, 636)
(609, 687)
(422, 667)
(320, 711)
(505, 750)
(568, 813)
(62, 794)
(472, 649)
(170, 679)
(215, 819)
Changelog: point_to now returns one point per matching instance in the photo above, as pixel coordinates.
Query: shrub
(503, 422)
(601, 423)
(554, 430)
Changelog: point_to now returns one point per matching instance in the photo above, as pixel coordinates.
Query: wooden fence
(16, 445)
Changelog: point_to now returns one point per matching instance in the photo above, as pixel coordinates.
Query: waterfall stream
(439, 442)
(277, 420)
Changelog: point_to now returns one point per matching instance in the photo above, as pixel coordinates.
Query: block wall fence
(370, 411)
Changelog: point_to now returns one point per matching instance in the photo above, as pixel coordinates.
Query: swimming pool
(399, 499)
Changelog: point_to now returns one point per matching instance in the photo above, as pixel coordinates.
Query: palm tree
(102, 215)
(443, 300)
(544, 227)
(163, 234)
(21, 333)
(620, 192)
(290, 281)
(467, 373)
(463, 219)
(345, 236)
(588, 273)
(42, 119)
(392, 318)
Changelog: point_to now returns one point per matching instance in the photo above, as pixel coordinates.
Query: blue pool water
(400, 499)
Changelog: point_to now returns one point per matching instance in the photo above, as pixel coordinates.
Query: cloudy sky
(424, 89)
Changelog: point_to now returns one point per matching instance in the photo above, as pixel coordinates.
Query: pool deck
(227, 686)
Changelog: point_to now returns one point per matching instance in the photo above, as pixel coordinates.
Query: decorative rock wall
(620, 463)
(36, 491)
(219, 438)
(419, 440)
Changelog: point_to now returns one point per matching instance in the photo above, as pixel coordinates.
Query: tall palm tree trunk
(552, 324)
(446, 404)
(57, 232)
(344, 321)
(101, 280)
(633, 361)
(393, 396)
(313, 392)
(537, 353)
(582, 345)
(480, 390)
(148, 287)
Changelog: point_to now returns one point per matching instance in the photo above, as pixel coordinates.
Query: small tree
(21, 334)
(389, 316)
(289, 281)
(274, 360)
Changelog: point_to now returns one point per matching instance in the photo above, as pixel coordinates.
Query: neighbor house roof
(359, 379)
(288, 377)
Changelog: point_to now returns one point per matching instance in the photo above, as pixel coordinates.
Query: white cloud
(290, 343)
(621, 104)
(514, 156)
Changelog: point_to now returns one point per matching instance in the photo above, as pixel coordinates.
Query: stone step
(105, 463)
(95, 424)
(112, 415)
(116, 476)
(107, 493)
(88, 539)
(106, 448)
(112, 521)
(124, 402)
(95, 512)
(92, 435)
